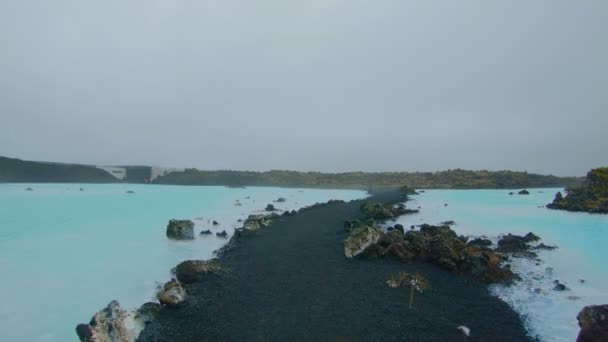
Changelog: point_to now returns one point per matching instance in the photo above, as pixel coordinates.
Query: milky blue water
(65, 253)
(583, 254)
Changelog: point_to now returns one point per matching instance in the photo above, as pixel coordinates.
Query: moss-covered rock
(591, 196)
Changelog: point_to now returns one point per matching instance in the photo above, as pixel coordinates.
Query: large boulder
(593, 321)
(359, 240)
(180, 230)
(107, 325)
(172, 295)
(191, 271)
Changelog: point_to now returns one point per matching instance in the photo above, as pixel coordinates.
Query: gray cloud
(316, 85)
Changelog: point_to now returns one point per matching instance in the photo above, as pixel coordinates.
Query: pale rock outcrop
(359, 240)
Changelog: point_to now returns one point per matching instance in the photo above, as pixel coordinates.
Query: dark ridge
(291, 281)
(20, 171)
(451, 179)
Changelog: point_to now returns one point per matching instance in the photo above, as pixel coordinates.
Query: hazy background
(309, 85)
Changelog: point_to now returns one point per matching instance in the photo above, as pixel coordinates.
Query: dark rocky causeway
(291, 281)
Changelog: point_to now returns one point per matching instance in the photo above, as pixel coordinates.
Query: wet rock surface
(107, 325)
(191, 271)
(593, 321)
(180, 230)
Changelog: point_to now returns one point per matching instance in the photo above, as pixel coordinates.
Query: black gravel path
(291, 282)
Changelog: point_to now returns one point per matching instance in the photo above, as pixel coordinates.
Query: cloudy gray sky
(330, 85)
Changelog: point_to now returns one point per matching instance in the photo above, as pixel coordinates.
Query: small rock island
(591, 196)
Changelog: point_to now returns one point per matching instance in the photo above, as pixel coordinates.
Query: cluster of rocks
(114, 324)
(384, 211)
(439, 245)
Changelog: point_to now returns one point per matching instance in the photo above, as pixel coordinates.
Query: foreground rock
(591, 196)
(191, 271)
(384, 211)
(593, 321)
(172, 294)
(107, 325)
(180, 230)
(360, 239)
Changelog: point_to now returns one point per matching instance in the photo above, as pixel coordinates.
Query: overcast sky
(329, 85)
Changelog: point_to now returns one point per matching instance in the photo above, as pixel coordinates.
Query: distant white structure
(162, 171)
(118, 172)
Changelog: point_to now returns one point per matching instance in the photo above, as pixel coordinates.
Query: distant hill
(20, 171)
(451, 179)
(591, 196)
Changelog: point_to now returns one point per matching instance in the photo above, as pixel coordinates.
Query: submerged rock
(270, 207)
(524, 192)
(545, 247)
(281, 200)
(223, 234)
(559, 286)
(107, 325)
(206, 232)
(359, 240)
(172, 294)
(215, 223)
(191, 271)
(180, 230)
(593, 321)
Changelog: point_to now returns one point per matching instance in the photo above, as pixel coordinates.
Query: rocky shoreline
(291, 280)
(294, 273)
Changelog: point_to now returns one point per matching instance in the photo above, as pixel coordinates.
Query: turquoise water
(65, 253)
(582, 253)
